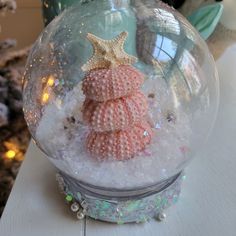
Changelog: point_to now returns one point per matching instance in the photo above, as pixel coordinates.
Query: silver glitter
(157, 126)
(171, 117)
(84, 204)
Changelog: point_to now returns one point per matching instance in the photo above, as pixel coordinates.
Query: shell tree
(115, 108)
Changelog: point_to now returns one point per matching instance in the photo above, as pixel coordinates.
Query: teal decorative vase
(205, 19)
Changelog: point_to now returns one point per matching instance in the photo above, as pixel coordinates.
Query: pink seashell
(106, 84)
(119, 145)
(116, 114)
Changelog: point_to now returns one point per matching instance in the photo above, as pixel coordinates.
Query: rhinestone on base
(161, 216)
(75, 207)
(80, 215)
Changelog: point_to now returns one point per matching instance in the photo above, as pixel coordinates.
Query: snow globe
(120, 96)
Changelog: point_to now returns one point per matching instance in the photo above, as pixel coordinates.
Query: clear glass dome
(120, 93)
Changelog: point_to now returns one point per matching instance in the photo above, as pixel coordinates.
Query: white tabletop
(207, 206)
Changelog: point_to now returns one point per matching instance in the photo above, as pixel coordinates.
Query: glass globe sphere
(120, 94)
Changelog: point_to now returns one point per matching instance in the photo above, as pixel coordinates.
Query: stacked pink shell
(115, 108)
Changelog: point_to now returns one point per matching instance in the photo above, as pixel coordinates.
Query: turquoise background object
(205, 19)
(52, 8)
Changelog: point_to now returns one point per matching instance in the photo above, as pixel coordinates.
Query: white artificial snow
(63, 140)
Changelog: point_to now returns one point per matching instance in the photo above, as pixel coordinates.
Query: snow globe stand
(112, 205)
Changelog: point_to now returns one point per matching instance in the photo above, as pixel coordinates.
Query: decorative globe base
(120, 206)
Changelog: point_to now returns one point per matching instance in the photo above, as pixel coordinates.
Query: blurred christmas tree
(14, 136)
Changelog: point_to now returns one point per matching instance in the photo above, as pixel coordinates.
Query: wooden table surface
(208, 202)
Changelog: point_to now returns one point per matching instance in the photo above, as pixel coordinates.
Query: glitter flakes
(69, 198)
(84, 204)
(133, 205)
(79, 196)
(171, 117)
(158, 201)
(184, 177)
(158, 126)
(123, 211)
(120, 222)
(175, 199)
(60, 182)
(106, 205)
(147, 152)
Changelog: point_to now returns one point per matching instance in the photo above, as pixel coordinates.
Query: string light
(45, 97)
(47, 88)
(10, 154)
(13, 151)
(50, 81)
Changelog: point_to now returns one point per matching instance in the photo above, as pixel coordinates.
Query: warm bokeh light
(10, 154)
(13, 151)
(45, 97)
(50, 81)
